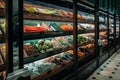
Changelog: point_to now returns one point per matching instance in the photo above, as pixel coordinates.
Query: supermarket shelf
(2, 12)
(38, 35)
(30, 36)
(53, 72)
(47, 17)
(41, 56)
(45, 55)
(56, 70)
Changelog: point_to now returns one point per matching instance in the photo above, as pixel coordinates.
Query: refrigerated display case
(49, 45)
(48, 38)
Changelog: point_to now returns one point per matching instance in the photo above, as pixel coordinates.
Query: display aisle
(56, 39)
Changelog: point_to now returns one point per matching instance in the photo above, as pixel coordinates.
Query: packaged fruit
(42, 24)
(30, 50)
(47, 11)
(64, 13)
(70, 14)
(81, 39)
(33, 29)
(41, 27)
(67, 56)
(60, 13)
(62, 42)
(39, 67)
(31, 9)
(47, 45)
(78, 52)
(55, 27)
(69, 39)
(66, 27)
(57, 60)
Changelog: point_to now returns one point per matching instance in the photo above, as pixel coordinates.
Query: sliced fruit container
(66, 27)
(62, 42)
(40, 27)
(55, 27)
(69, 39)
(67, 56)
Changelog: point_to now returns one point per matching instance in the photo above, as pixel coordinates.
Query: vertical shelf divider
(108, 27)
(9, 35)
(21, 64)
(119, 33)
(97, 50)
(115, 24)
(75, 37)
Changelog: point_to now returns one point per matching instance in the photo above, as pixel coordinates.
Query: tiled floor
(110, 70)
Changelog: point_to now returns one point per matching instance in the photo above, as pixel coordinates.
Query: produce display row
(50, 26)
(45, 47)
(33, 11)
(53, 62)
(44, 27)
(51, 45)
(48, 12)
(46, 66)
(47, 26)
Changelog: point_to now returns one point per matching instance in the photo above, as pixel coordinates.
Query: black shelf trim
(55, 18)
(30, 36)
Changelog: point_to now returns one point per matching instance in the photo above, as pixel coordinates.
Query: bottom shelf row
(45, 68)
